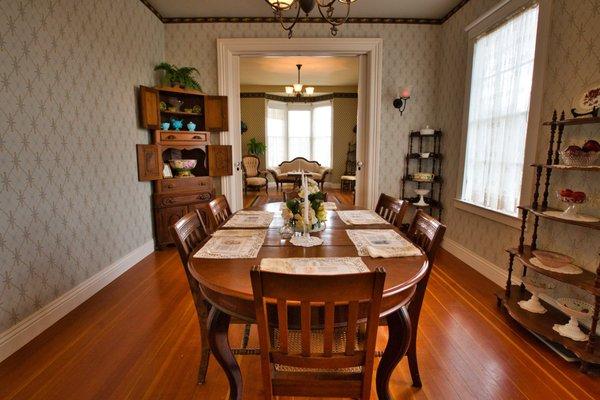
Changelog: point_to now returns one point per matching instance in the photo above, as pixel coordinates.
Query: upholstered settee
(316, 171)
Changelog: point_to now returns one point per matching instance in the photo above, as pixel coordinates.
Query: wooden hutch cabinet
(174, 197)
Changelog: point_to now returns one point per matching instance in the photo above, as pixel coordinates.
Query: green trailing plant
(182, 76)
(256, 148)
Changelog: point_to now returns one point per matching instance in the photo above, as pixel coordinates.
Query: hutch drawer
(180, 199)
(179, 184)
(170, 137)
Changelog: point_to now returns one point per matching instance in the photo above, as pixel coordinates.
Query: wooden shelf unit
(539, 212)
(183, 113)
(541, 324)
(585, 281)
(590, 168)
(172, 198)
(419, 144)
(573, 121)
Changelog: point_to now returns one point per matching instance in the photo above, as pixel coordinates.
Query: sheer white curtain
(502, 73)
(322, 129)
(299, 130)
(276, 134)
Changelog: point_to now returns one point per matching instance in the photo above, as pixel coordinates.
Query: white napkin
(391, 252)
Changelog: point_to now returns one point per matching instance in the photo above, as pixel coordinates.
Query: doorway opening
(298, 113)
(368, 52)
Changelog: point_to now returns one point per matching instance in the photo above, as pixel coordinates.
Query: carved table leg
(399, 332)
(218, 327)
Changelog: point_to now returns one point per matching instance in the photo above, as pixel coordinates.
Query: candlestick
(306, 209)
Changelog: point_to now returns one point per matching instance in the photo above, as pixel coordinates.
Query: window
(497, 120)
(299, 130)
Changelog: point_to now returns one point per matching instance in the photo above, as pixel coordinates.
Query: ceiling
(316, 71)
(434, 9)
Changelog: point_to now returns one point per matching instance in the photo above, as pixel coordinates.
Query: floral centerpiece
(293, 211)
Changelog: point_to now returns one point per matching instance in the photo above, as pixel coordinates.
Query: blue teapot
(165, 126)
(191, 126)
(177, 123)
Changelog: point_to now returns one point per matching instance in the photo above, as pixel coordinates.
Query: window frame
(483, 24)
(290, 106)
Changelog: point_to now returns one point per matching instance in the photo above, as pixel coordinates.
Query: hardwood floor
(138, 339)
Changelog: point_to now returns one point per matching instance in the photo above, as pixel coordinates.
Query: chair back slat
(328, 331)
(391, 209)
(219, 211)
(282, 322)
(427, 233)
(321, 303)
(305, 324)
(352, 324)
(188, 233)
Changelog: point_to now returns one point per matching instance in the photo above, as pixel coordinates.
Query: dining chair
(391, 209)
(427, 233)
(323, 362)
(219, 212)
(188, 233)
(294, 194)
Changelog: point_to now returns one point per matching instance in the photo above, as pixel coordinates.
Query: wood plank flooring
(138, 339)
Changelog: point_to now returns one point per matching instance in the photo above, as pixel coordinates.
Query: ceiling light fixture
(325, 8)
(296, 88)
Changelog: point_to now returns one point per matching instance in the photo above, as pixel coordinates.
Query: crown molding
(307, 20)
(453, 11)
(296, 99)
(152, 9)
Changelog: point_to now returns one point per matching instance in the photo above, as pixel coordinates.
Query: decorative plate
(588, 99)
(575, 307)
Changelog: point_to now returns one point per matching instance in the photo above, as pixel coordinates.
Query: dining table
(225, 283)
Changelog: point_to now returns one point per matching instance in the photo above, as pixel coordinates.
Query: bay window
(299, 130)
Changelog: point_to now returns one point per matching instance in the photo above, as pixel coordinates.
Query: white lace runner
(232, 246)
(315, 265)
(250, 219)
(361, 217)
(384, 243)
(240, 232)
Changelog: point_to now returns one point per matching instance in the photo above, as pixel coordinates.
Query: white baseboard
(24, 331)
(486, 268)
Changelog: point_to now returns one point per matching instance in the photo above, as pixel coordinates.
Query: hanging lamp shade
(280, 5)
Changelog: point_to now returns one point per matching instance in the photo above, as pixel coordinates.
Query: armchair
(253, 176)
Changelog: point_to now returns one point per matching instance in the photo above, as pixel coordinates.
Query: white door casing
(370, 51)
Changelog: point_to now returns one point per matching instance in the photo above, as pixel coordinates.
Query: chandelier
(296, 88)
(325, 8)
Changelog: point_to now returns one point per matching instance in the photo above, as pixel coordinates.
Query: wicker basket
(579, 160)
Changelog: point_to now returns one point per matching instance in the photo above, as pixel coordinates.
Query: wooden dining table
(225, 283)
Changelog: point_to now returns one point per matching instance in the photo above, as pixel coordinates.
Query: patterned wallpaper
(253, 114)
(70, 202)
(344, 120)
(574, 33)
(411, 57)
